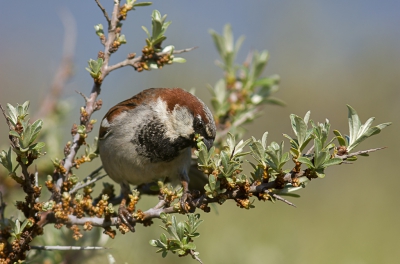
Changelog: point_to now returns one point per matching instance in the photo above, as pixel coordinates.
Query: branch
(200, 202)
(50, 248)
(361, 152)
(94, 173)
(193, 254)
(133, 62)
(155, 212)
(111, 36)
(104, 13)
(279, 198)
(91, 103)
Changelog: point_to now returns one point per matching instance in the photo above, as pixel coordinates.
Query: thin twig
(10, 126)
(81, 94)
(132, 62)
(13, 140)
(50, 248)
(361, 152)
(83, 185)
(104, 13)
(279, 198)
(193, 254)
(310, 150)
(94, 173)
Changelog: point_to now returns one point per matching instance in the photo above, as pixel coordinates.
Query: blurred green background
(328, 54)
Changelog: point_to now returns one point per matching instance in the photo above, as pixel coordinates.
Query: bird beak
(208, 142)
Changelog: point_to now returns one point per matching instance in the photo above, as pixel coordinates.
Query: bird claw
(186, 202)
(125, 217)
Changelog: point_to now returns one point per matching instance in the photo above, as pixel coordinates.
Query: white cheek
(182, 121)
(105, 123)
(179, 122)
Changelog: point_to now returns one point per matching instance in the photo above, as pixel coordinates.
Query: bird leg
(124, 216)
(186, 199)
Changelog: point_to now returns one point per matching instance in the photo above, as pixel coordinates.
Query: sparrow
(150, 136)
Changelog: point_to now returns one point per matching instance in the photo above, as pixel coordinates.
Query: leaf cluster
(239, 95)
(225, 168)
(95, 67)
(158, 29)
(25, 134)
(358, 132)
(181, 235)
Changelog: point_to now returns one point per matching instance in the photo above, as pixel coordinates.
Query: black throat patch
(152, 143)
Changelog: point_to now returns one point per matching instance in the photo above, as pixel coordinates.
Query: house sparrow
(150, 136)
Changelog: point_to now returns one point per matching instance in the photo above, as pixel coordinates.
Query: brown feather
(173, 97)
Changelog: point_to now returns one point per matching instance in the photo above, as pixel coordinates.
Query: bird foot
(186, 203)
(125, 217)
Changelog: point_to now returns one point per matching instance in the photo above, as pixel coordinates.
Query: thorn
(84, 96)
(364, 151)
(279, 198)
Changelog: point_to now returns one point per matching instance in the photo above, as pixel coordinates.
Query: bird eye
(198, 124)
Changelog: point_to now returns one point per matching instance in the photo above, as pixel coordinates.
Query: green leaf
(321, 159)
(99, 30)
(26, 138)
(340, 138)
(320, 174)
(36, 127)
(165, 25)
(218, 42)
(274, 101)
(306, 161)
(262, 60)
(364, 128)
(299, 127)
(228, 38)
(225, 157)
(238, 44)
(258, 150)
(180, 230)
(147, 31)
(172, 229)
(354, 123)
(14, 134)
(333, 161)
(295, 152)
(190, 246)
(142, 4)
(13, 114)
(264, 140)
(370, 132)
(38, 146)
(179, 60)
(6, 159)
(230, 141)
(170, 49)
(159, 40)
